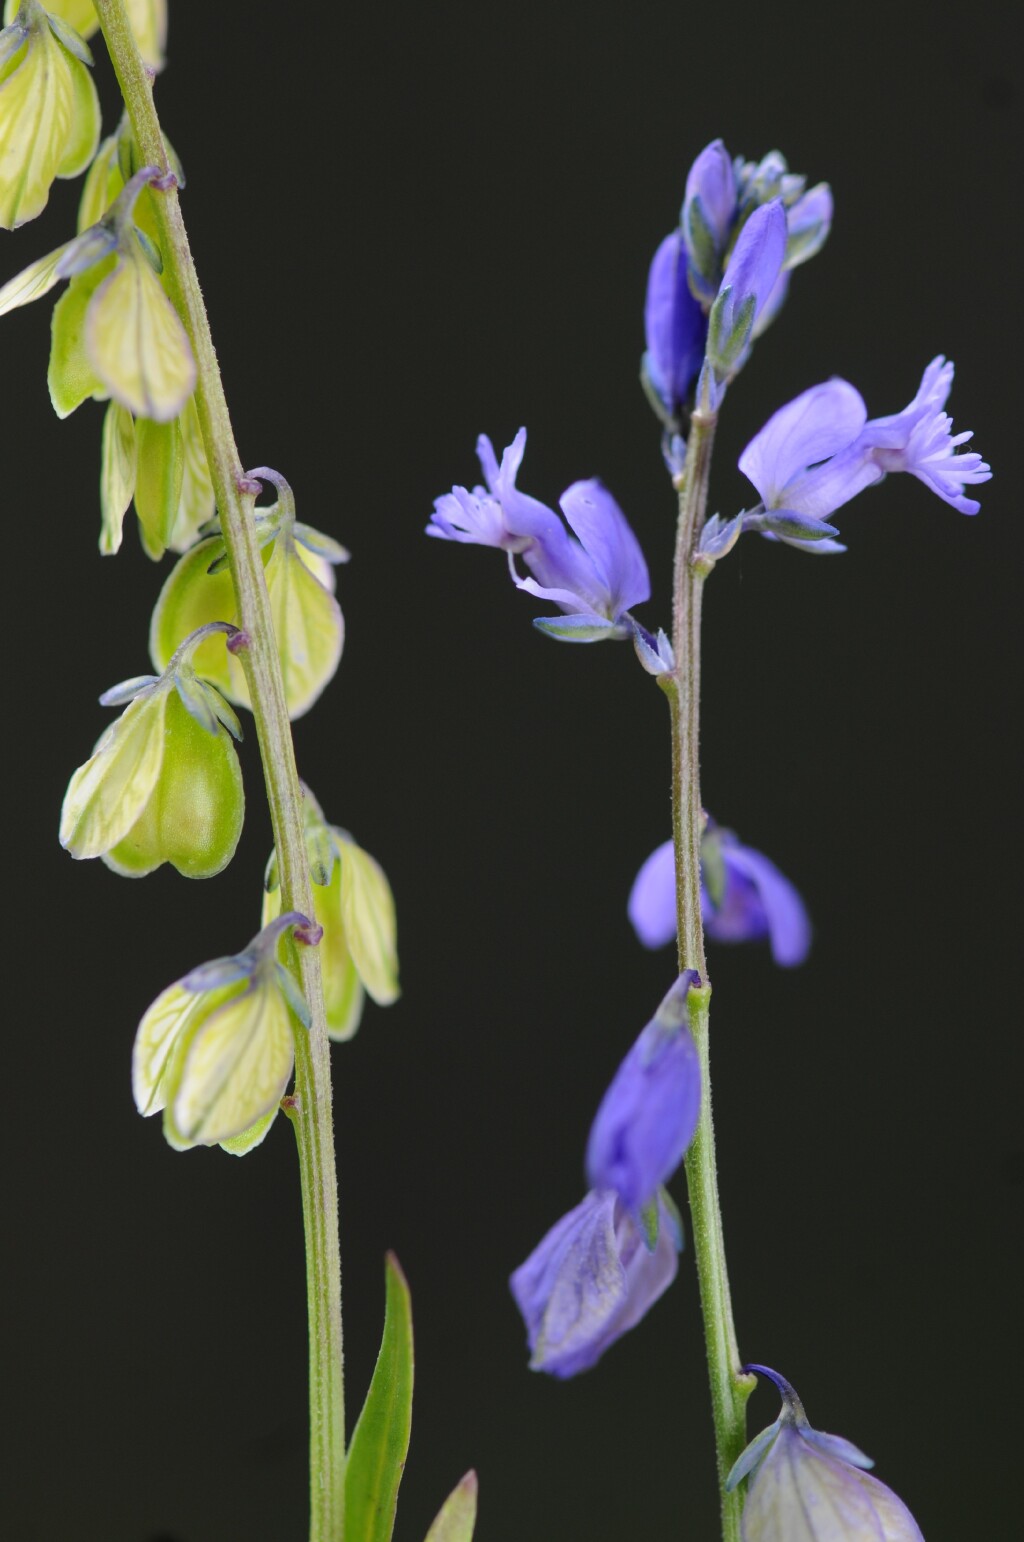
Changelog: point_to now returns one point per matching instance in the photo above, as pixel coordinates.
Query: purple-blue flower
(590, 1280)
(594, 576)
(709, 212)
(820, 450)
(806, 1486)
(747, 284)
(649, 1113)
(674, 327)
(744, 897)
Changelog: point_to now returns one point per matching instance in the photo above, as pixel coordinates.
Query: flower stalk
(730, 1388)
(310, 1107)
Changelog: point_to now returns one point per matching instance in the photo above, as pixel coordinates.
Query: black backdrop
(414, 223)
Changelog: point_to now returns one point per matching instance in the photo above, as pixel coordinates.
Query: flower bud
(163, 784)
(747, 284)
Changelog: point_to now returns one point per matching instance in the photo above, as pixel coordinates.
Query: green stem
(729, 1389)
(310, 1108)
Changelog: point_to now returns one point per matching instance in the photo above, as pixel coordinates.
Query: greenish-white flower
(308, 623)
(148, 19)
(49, 110)
(214, 1053)
(164, 783)
(352, 901)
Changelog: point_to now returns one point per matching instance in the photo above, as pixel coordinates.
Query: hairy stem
(729, 1389)
(310, 1109)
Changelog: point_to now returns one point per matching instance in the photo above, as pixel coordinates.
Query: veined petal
(368, 916)
(785, 915)
(344, 996)
(609, 542)
(234, 1067)
(136, 341)
(37, 97)
(652, 899)
(32, 282)
(109, 792)
(154, 1044)
(814, 426)
(117, 474)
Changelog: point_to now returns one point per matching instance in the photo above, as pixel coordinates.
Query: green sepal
(150, 250)
(650, 1221)
(255, 1135)
(712, 867)
(456, 1518)
(70, 374)
(72, 41)
(159, 477)
(380, 1441)
(368, 916)
(117, 475)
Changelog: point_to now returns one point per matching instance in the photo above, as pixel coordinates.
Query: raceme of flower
(133, 345)
(649, 1113)
(298, 567)
(591, 1279)
(820, 450)
(594, 576)
(148, 20)
(805, 1486)
(353, 903)
(744, 898)
(49, 110)
(163, 783)
(215, 1050)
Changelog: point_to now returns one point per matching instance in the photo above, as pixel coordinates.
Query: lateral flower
(591, 1279)
(135, 347)
(675, 331)
(352, 901)
(298, 567)
(163, 783)
(49, 110)
(648, 1115)
(215, 1050)
(593, 576)
(744, 898)
(820, 450)
(148, 20)
(747, 285)
(806, 1486)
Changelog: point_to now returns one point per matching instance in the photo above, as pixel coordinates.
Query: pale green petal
(32, 282)
(117, 474)
(149, 23)
(106, 796)
(70, 375)
(86, 122)
(193, 816)
(158, 479)
(154, 1044)
(136, 341)
(255, 1135)
(196, 503)
(344, 997)
(308, 624)
(188, 600)
(102, 184)
(368, 916)
(234, 1068)
(36, 103)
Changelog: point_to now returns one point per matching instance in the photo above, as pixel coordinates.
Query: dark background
(413, 224)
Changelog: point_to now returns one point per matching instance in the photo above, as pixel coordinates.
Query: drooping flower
(649, 1113)
(215, 1050)
(49, 110)
(163, 784)
(352, 901)
(744, 898)
(591, 1279)
(820, 450)
(298, 568)
(593, 576)
(806, 1486)
(135, 346)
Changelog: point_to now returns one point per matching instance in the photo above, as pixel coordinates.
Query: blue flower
(805, 1486)
(919, 440)
(675, 330)
(709, 213)
(594, 576)
(747, 285)
(744, 897)
(591, 1279)
(649, 1113)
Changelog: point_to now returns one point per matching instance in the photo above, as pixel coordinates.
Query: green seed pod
(49, 110)
(163, 784)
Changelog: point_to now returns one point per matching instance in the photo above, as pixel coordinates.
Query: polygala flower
(747, 284)
(214, 1053)
(806, 1486)
(299, 573)
(148, 20)
(353, 903)
(163, 784)
(49, 110)
(594, 575)
(744, 898)
(649, 1113)
(820, 450)
(591, 1279)
(675, 331)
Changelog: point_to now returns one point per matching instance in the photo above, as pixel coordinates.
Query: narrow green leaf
(457, 1516)
(380, 1441)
